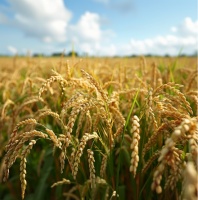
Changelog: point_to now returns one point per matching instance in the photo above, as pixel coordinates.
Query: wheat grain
(88, 122)
(134, 145)
(170, 155)
(103, 166)
(172, 87)
(92, 172)
(64, 181)
(24, 154)
(96, 85)
(14, 148)
(6, 104)
(149, 112)
(119, 120)
(175, 162)
(24, 104)
(190, 80)
(79, 151)
(150, 161)
(49, 81)
(114, 194)
(54, 138)
(100, 101)
(162, 130)
(190, 186)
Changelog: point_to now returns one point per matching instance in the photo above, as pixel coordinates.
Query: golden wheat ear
(23, 172)
(103, 166)
(134, 145)
(190, 183)
(92, 171)
(79, 151)
(96, 85)
(171, 155)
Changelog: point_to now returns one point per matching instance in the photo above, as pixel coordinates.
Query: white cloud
(98, 49)
(89, 38)
(46, 19)
(12, 50)
(49, 21)
(88, 35)
(182, 37)
(88, 27)
(187, 27)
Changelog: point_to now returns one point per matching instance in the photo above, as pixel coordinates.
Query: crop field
(98, 128)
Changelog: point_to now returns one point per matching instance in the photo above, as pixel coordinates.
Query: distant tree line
(57, 54)
(74, 53)
(70, 54)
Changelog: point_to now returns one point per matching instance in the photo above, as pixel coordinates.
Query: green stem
(126, 124)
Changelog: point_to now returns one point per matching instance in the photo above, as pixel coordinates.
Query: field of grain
(98, 128)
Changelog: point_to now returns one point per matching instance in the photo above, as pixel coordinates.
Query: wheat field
(98, 128)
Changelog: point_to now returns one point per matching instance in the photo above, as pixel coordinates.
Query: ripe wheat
(114, 130)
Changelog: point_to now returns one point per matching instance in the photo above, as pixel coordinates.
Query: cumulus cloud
(46, 20)
(88, 35)
(87, 28)
(187, 27)
(49, 21)
(182, 37)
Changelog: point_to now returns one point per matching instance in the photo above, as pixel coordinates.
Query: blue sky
(98, 27)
